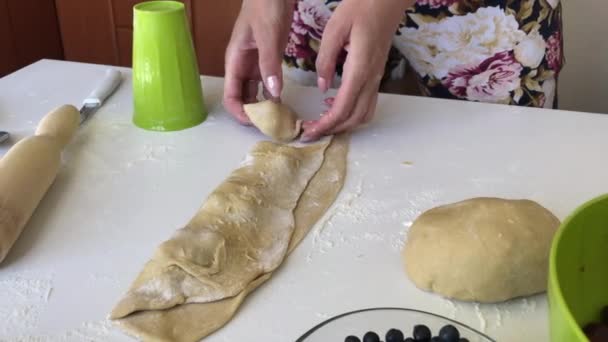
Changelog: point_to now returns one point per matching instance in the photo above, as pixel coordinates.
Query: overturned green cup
(578, 271)
(167, 92)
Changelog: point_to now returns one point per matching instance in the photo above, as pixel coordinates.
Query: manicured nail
(307, 138)
(322, 83)
(272, 83)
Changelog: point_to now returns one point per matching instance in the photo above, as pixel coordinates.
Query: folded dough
(276, 120)
(196, 281)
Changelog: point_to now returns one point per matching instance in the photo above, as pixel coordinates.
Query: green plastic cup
(578, 271)
(167, 92)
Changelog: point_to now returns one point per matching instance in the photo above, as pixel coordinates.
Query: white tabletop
(123, 190)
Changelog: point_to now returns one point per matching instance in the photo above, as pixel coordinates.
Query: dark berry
(463, 340)
(436, 339)
(600, 335)
(371, 337)
(422, 333)
(409, 339)
(590, 329)
(449, 333)
(394, 335)
(352, 339)
(604, 315)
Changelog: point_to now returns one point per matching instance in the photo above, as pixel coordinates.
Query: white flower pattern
(492, 80)
(310, 17)
(531, 50)
(437, 47)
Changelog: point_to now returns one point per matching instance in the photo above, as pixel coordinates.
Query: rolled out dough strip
(193, 321)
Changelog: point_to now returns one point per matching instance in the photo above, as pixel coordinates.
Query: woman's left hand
(364, 28)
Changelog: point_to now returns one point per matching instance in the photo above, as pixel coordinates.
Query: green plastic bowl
(578, 271)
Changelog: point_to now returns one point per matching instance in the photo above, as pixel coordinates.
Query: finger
(359, 112)
(371, 112)
(344, 102)
(306, 125)
(270, 45)
(235, 84)
(250, 91)
(268, 96)
(334, 39)
(233, 98)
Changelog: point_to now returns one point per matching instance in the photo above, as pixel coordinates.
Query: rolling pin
(29, 168)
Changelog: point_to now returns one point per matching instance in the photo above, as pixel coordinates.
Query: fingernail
(306, 138)
(322, 83)
(272, 83)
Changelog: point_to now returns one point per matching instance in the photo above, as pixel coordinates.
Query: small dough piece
(276, 120)
(216, 248)
(482, 249)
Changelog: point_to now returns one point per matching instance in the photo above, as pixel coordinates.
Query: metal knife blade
(100, 93)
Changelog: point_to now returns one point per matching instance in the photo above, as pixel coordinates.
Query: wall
(100, 31)
(584, 79)
(28, 32)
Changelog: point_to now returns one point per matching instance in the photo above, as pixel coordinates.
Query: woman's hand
(255, 53)
(364, 28)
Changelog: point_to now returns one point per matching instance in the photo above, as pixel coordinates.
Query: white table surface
(123, 190)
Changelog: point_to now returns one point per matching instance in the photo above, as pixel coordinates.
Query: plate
(380, 320)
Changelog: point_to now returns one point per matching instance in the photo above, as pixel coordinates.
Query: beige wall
(584, 80)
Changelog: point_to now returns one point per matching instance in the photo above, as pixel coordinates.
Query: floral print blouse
(496, 51)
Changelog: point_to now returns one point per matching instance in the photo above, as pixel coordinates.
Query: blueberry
(449, 333)
(436, 339)
(600, 335)
(394, 335)
(463, 340)
(422, 333)
(352, 339)
(371, 337)
(409, 339)
(590, 329)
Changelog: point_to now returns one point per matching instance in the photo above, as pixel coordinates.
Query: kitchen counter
(122, 191)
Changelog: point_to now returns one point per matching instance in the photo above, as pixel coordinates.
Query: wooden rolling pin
(29, 168)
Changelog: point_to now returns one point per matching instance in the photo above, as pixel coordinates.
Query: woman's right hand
(255, 53)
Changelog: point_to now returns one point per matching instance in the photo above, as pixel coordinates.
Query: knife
(102, 91)
(29, 168)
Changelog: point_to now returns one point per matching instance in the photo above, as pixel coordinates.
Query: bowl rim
(327, 321)
(554, 284)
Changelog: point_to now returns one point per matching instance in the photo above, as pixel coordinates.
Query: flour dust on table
(482, 249)
(196, 280)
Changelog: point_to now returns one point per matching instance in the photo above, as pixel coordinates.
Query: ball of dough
(481, 249)
(275, 120)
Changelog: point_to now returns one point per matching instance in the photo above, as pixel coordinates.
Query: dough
(482, 249)
(275, 120)
(196, 281)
